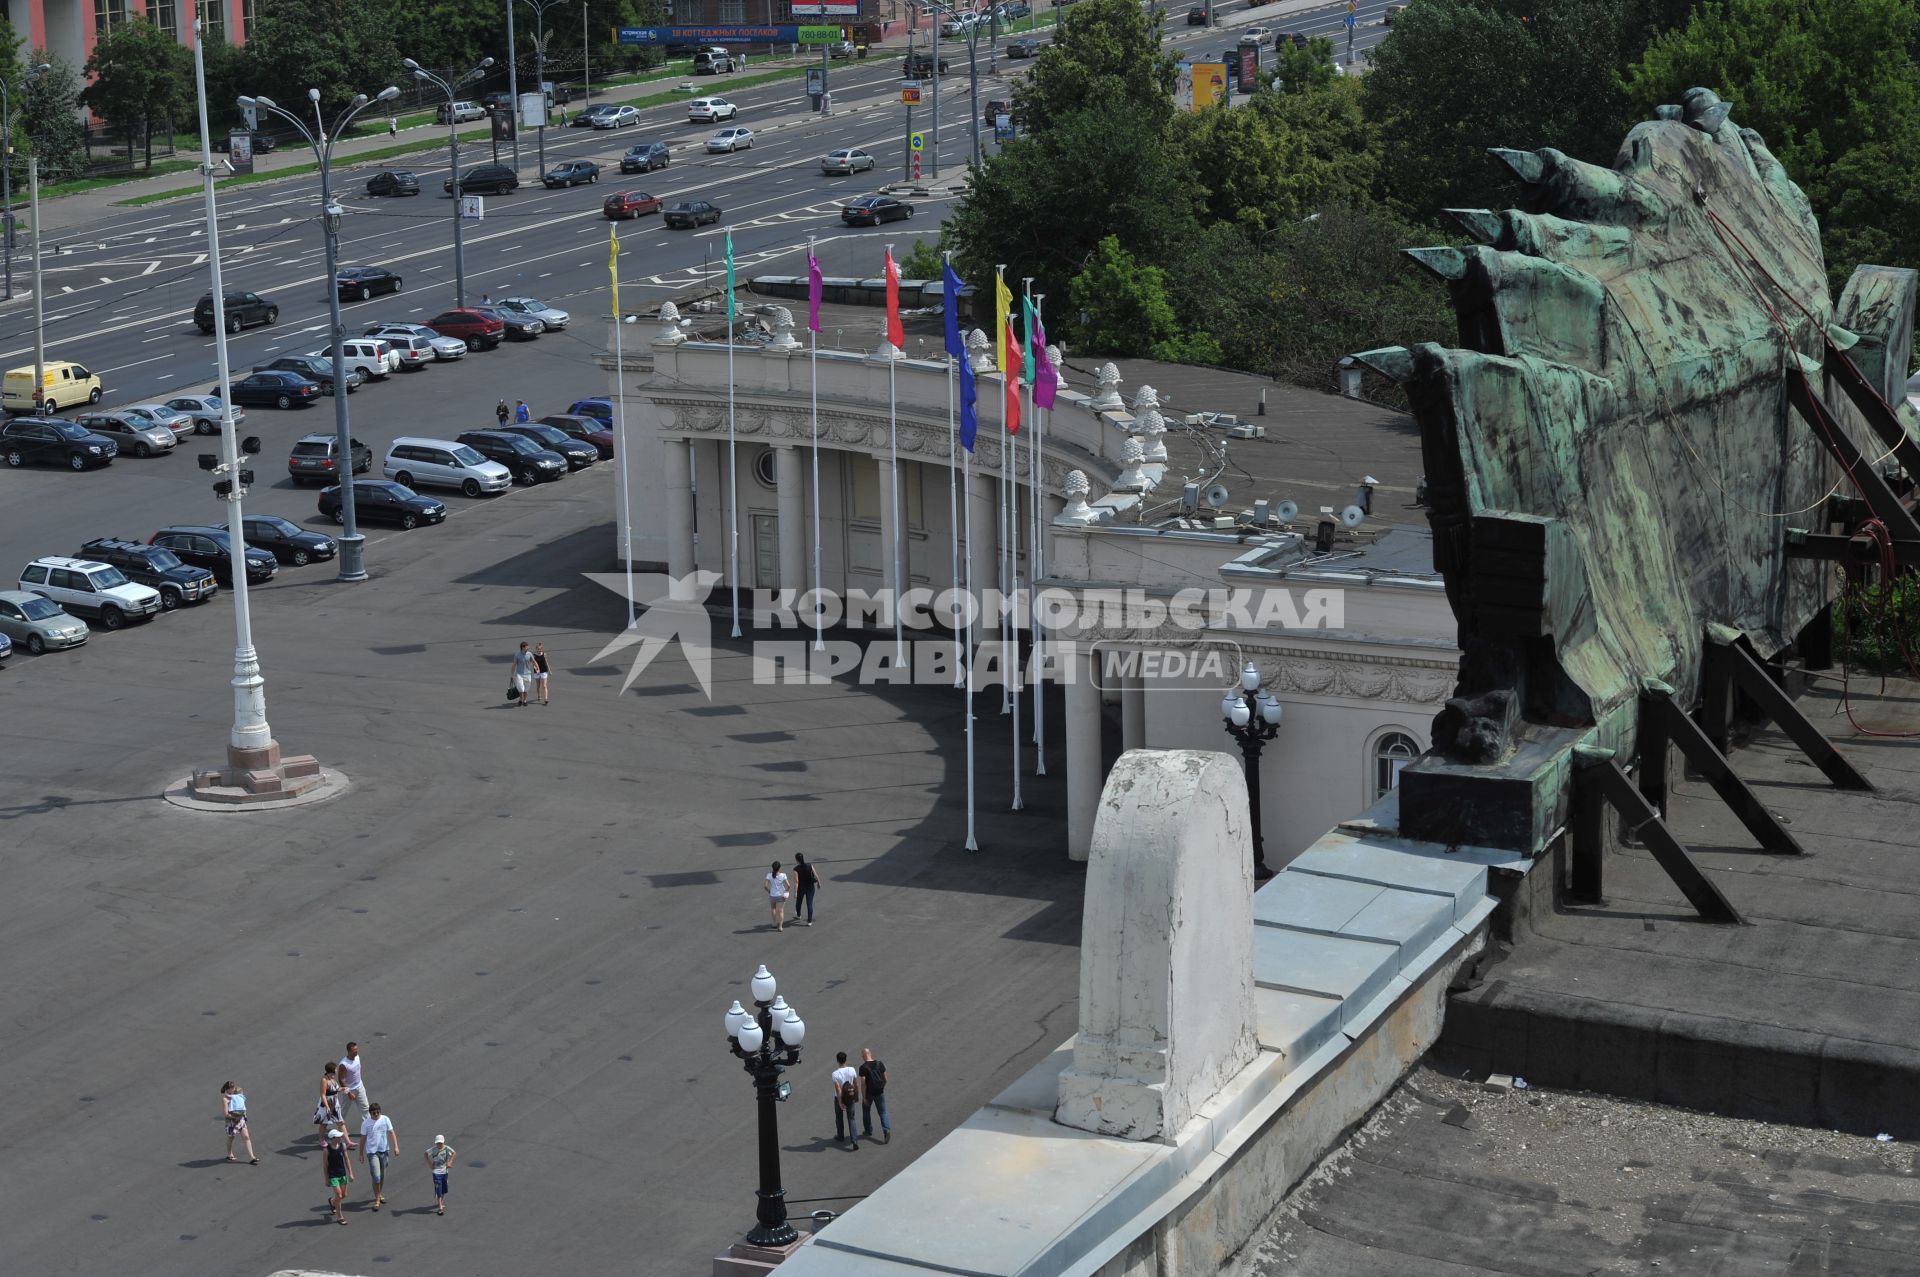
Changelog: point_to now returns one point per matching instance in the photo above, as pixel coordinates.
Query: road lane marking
(135, 364)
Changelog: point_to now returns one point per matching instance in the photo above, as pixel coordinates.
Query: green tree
(1304, 68)
(140, 75)
(1106, 55)
(340, 47)
(1343, 147)
(50, 119)
(1123, 309)
(923, 260)
(1250, 169)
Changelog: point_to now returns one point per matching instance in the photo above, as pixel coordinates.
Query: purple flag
(814, 284)
(1046, 382)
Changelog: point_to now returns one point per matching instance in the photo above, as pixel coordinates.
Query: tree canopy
(140, 75)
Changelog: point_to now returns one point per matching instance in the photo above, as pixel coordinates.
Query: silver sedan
(206, 412)
(551, 317)
(445, 349)
(38, 624)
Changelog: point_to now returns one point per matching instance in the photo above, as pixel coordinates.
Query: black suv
(645, 157)
(529, 462)
(242, 309)
(313, 457)
(920, 65)
(206, 547)
(313, 368)
(50, 440)
(155, 566)
(482, 178)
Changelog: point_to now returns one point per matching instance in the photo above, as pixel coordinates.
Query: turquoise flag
(729, 275)
(1034, 357)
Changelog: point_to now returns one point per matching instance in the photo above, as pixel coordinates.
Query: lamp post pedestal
(353, 556)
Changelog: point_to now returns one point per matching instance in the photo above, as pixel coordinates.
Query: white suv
(710, 110)
(441, 463)
(371, 355)
(81, 585)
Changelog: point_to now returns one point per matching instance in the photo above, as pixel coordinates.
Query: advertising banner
(1183, 87)
(240, 150)
(1209, 84)
(502, 125)
(827, 9)
(1249, 73)
(786, 33)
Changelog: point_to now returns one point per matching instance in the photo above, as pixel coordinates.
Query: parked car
(571, 173)
(136, 435)
(394, 182)
(166, 415)
(381, 501)
(919, 66)
(241, 309)
(371, 357)
(707, 62)
(470, 325)
(52, 441)
(551, 318)
(286, 540)
(514, 327)
(316, 456)
(597, 408)
(618, 117)
(644, 157)
(62, 383)
(206, 546)
(590, 118)
(871, 210)
(6, 647)
(90, 589)
(1025, 47)
(842, 49)
(443, 348)
(847, 160)
(37, 623)
(690, 213)
(360, 283)
(727, 141)
(586, 429)
(262, 142)
(155, 567)
(441, 463)
(579, 453)
(315, 368)
(710, 110)
(415, 353)
(459, 112)
(205, 412)
(272, 389)
(528, 461)
(628, 204)
(482, 178)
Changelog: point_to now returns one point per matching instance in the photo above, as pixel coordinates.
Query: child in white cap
(440, 1161)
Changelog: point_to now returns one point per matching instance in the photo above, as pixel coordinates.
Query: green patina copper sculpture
(1612, 455)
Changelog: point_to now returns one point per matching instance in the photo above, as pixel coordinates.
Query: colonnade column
(1085, 773)
(790, 487)
(679, 458)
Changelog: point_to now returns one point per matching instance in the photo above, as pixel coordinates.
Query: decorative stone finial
(1152, 428)
(670, 334)
(1075, 488)
(1132, 456)
(1144, 398)
(782, 320)
(887, 352)
(1106, 397)
(979, 349)
(1058, 360)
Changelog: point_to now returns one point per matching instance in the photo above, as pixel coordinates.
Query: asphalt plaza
(531, 919)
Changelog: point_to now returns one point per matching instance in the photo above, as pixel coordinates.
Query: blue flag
(969, 394)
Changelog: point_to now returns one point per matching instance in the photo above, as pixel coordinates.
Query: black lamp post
(768, 1040)
(1253, 718)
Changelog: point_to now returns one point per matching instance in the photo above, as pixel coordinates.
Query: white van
(62, 385)
(441, 463)
(460, 112)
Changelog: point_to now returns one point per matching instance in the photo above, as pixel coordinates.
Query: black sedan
(1025, 47)
(579, 453)
(205, 546)
(383, 501)
(571, 173)
(691, 213)
(360, 283)
(394, 182)
(313, 368)
(272, 390)
(288, 541)
(871, 210)
(1197, 16)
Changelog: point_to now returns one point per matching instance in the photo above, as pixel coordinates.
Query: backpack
(849, 1093)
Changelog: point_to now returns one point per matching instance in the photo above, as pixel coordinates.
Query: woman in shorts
(541, 668)
(777, 887)
(233, 1111)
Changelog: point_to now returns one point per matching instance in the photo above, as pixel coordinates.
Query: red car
(622, 204)
(588, 429)
(479, 330)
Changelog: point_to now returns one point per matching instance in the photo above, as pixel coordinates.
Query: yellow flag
(1002, 305)
(613, 268)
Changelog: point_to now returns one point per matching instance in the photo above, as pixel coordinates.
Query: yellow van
(63, 385)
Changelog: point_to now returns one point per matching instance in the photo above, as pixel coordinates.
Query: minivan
(61, 384)
(459, 112)
(441, 463)
(708, 62)
(82, 585)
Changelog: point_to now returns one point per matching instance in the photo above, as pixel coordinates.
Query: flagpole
(819, 587)
(966, 464)
(1036, 557)
(1006, 551)
(733, 470)
(953, 506)
(893, 447)
(1011, 455)
(620, 379)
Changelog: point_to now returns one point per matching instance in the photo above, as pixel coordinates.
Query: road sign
(917, 141)
(910, 94)
(473, 208)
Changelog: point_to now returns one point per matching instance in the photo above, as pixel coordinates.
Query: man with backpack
(846, 1100)
(873, 1095)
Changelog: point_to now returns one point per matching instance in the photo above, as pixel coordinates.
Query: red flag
(1012, 371)
(895, 333)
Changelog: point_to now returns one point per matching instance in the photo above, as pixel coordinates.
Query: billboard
(1183, 87)
(1209, 84)
(240, 151)
(827, 9)
(1249, 69)
(786, 33)
(533, 110)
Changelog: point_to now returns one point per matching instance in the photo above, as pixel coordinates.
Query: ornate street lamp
(1253, 718)
(451, 90)
(768, 1040)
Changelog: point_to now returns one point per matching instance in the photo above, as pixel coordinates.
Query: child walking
(440, 1162)
(233, 1111)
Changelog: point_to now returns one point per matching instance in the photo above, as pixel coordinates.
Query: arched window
(1390, 753)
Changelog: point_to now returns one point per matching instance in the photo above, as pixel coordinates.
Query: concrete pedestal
(257, 776)
(743, 1259)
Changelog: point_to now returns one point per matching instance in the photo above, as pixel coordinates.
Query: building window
(763, 468)
(733, 10)
(213, 19)
(165, 14)
(246, 18)
(1391, 753)
(108, 14)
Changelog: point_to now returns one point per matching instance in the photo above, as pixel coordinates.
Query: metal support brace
(1886, 507)
(1598, 784)
(1879, 415)
(1732, 663)
(1661, 722)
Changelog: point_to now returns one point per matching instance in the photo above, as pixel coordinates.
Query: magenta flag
(1046, 382)
(814, 284)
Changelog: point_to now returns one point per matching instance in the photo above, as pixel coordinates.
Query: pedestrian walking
(541, 668)
(353, 1090)
(233, 1111)
(873, 1095)
(521, 413)
(378, 1143)
(326, 1110)
(440, 1162)
(393, 126)
(806, 882)
(339, 1172)
(777, 896)
(501, 412)
(846, 1098)
(523, 668)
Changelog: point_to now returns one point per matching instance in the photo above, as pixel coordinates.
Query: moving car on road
(690, 213)
(381, 501)
(618, 117)
(590, 118)
(51, 441)
(528, 461)
(710, 110)
(240, 309)
(441, 463)
(459, 113)
(273, 390)
(622, 205)
(91, 589)
(287, 541)
(571, 173)
(316, 368)
(440, 347)
(134, 434)
(551, 318)
(156, 567)
(392, 181)
(920, 65)
(38, 624)
(727, 141)
(1197, 16)
(644, 157)
(847, 160)
(586, 429)
(871, 210)
(205, 412)
(1024, 47)
(62, 382)
(579, 453)
(316, 457)
(207, 547)
(484, 178)
(470, 325)
(359, 283)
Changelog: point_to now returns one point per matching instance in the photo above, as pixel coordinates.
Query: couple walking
(865, 1086)
(530, 671)
(779, 886)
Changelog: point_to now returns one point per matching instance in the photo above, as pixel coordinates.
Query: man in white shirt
(353, 1088)
(846, 1100)
(378, 1143)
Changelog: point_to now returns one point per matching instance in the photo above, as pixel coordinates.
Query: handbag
(513, 690)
